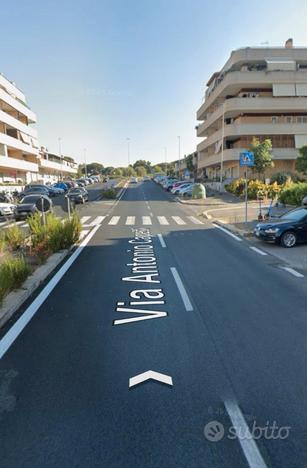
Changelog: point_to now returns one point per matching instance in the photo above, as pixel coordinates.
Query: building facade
(260, 92)
(21, 160)
(19, 147)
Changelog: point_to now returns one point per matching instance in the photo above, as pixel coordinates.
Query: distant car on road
(287, 230)
(32, 204)
(78, 195)
(134, 180)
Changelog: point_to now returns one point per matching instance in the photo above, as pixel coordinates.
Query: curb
(233, 229)
(14, 300)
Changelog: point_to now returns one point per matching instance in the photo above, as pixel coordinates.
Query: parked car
(33, 189)
(77, 195)
(182, 187)
(6, 209)
(61, 185)
(287, 230)
(177, 185)
(57, 190)
(31, 204)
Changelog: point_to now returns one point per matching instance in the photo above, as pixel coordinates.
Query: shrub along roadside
(13, 272)
(294, 194)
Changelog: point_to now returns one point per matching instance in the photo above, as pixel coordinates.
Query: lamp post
(60, 154)
(128, 150)
(85, 168)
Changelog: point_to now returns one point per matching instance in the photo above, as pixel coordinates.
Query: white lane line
(18, 326)
(84, 219)
(151, 213)
(97, 220)
(248, 444)
(178, 220)
(162, 242)
(4, 224)
(195, 220)
(292, 272)
(146, 220)
(130, 220)
(227, 232)
(83, 234)
(258, 251)
(182, 291)
(162, 220)
(114, 220)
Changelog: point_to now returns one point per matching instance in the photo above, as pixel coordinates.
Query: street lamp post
(85, 168)
(128, 150)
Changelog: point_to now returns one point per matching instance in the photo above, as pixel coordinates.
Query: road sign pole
(246, 196)
(43, 210)
(68, 207)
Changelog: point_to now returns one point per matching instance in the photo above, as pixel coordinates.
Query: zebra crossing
(140, 220)
(92, 221)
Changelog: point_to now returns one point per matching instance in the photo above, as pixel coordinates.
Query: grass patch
(13, 272)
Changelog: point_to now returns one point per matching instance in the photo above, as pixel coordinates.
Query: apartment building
(53, 167)
(21, 158)
(19, 146)
(259, 92)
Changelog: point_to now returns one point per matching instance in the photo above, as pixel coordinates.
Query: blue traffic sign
(247, 158)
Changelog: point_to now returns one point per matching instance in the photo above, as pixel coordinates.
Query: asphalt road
(227, 345)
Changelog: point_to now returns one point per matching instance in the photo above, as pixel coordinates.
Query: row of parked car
(37, 197)
(177, 187)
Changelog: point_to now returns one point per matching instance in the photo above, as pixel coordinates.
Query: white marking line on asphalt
(84, 219)
(130, 220)
(17, 223)
(83, 234)
(292, 272)
(248, 444)
(97, 220)
(150, 375)
(178, 220)
(258, 251)
(146, 220)
(180, 286)
(151, 213)
(162, 242)
(162, 220)
(227, 232)
(194, 220)
(114, 220)
(4, 224)
(18, 326)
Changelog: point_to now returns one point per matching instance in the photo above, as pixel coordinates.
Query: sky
(99, 72)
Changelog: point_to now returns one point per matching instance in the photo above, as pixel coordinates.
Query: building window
(289, 119)
(274, 120)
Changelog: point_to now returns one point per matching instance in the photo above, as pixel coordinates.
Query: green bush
(13, 272)
(236, 186)
(109, 193)
(294, 194)
(14, 237)
(198, 191)
(54, 235)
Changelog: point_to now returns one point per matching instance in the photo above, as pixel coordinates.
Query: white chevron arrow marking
(150, 375)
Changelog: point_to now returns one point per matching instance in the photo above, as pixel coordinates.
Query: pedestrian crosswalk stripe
(97, 220)
(178, 220)
(84, 219)
(114, 220)
(194, 220)
(130, 220)
(146, 220)
(162, 220)
(83, 234)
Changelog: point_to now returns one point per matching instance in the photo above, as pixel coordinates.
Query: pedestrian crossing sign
(247, 158)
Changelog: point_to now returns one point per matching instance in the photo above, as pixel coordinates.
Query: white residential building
(19, 147)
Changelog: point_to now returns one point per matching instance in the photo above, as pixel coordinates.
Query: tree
(301, 161)
(141, 171)
(117, 172)
(143, 163)
(262, 155)
(128, 171)
(157, 168)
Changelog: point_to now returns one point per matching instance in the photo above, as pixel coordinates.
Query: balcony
(235, 106)
(12, 122)
(17, 164)
(254, 129)
(234, 81)
(47, 164)
(18, 105)
(14, 143)
(234, 155)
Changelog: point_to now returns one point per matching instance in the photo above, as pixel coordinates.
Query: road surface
(159, 366)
